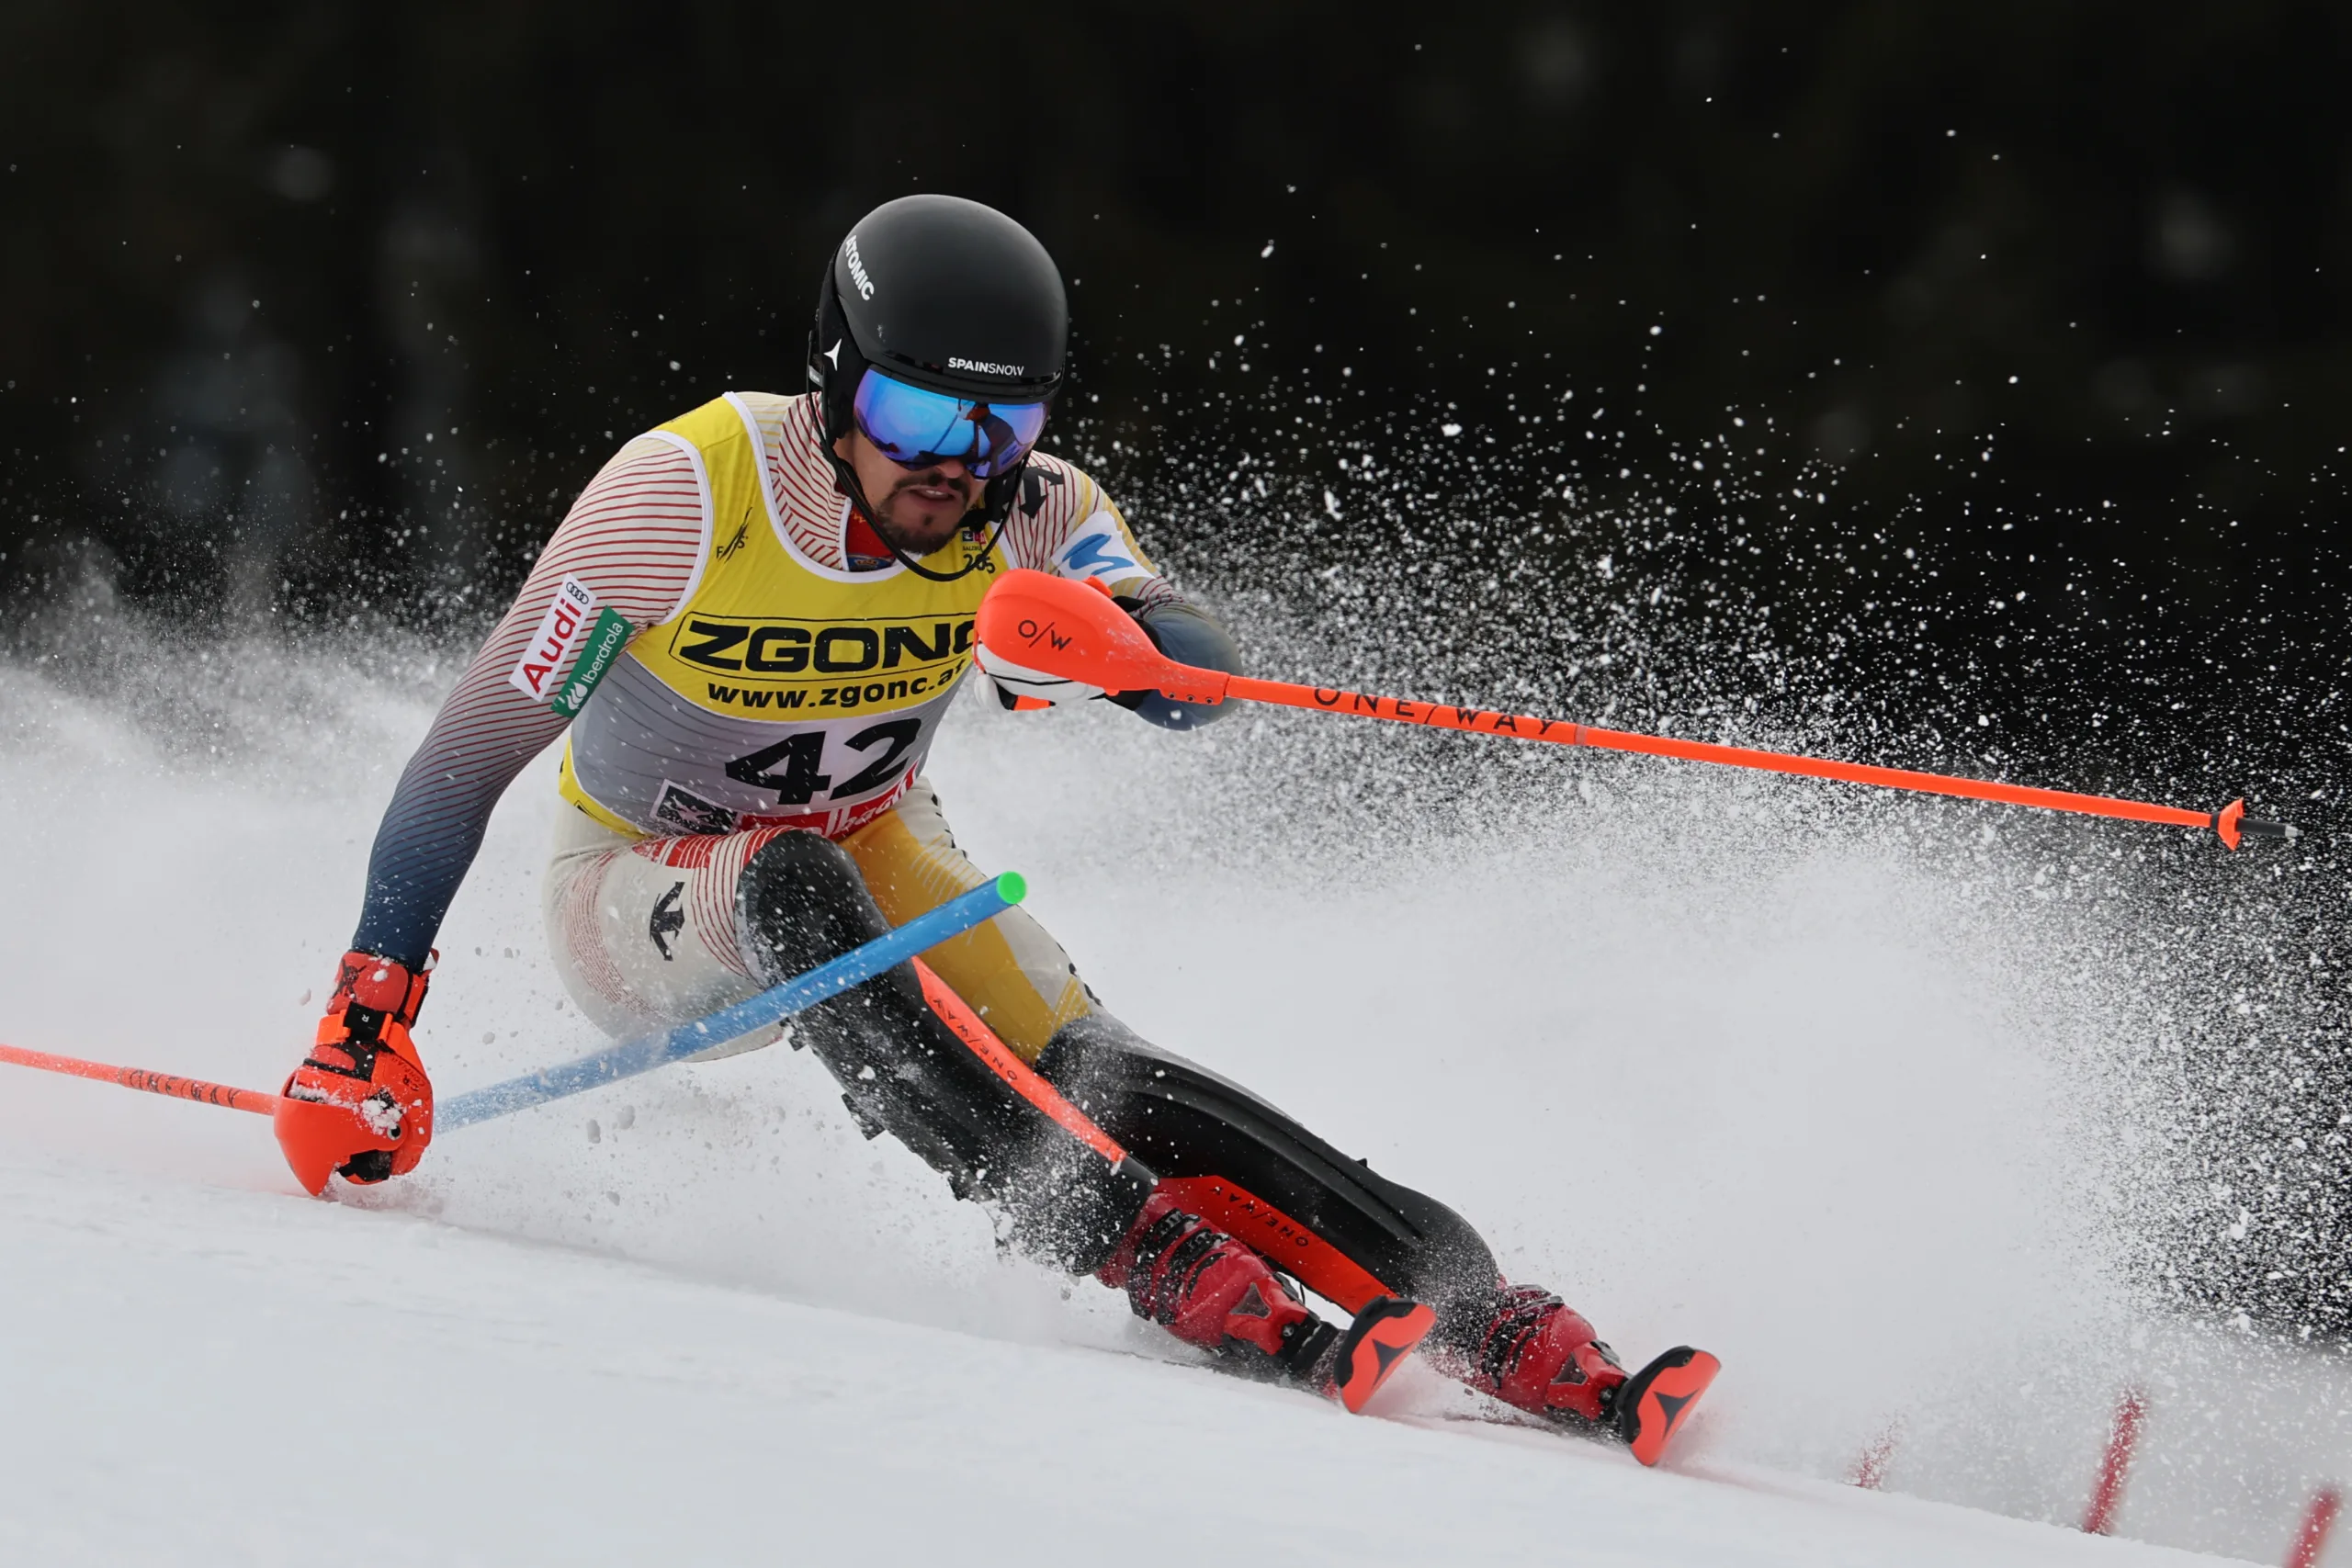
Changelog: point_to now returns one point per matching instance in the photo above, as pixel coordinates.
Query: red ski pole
(178, 1088)
(1056, 625)
(289, 1117)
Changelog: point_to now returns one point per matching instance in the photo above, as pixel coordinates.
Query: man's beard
(895, 534)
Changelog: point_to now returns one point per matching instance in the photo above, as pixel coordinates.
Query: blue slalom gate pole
(801, 992)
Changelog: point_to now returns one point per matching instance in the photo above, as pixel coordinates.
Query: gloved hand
(364, 1065)
(1023, 688)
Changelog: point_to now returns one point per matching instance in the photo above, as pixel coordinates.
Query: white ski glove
(1020, 687)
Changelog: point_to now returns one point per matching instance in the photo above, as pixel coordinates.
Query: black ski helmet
(943, 294)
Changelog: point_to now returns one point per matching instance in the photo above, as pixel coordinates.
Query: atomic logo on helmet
(857, 268)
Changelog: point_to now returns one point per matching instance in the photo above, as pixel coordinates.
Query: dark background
(2033, 317)
(251, 253)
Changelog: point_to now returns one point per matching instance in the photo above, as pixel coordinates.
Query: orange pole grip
(204, 1093)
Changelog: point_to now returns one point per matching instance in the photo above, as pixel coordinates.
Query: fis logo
(857, 269)
(735, 540)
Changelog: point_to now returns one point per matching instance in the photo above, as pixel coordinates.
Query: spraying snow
(1845, 1110)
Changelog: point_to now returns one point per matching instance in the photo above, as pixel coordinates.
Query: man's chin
(924, 539)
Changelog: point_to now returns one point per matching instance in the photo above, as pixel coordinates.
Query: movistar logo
(857, 268)
(985, 367)
(1094, 556)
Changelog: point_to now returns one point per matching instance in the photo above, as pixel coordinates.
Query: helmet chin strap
(856, 491)
(978, 558)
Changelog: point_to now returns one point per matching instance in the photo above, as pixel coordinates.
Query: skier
(794, 579)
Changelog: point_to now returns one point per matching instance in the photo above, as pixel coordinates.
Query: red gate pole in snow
(2107, 1493)
(2318, 1520)
(1869, 1469)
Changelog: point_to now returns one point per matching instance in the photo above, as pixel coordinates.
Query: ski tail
(1386, 1333)
(1652, 1405)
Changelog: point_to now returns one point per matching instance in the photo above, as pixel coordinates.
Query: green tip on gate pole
(1011, 887)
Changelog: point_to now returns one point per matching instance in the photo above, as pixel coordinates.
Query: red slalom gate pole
(1870, 1469)
(1056, 626)
(2107, 1492)
(2318, 1520)
(178, 1088)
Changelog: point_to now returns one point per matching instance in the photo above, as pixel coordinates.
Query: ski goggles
(918, 429)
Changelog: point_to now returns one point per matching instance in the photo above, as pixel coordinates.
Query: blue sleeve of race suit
(433, 827)
(634, 537)
(1189, 635)
(484, 734)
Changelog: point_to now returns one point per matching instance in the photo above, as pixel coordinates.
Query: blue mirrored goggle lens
(915, 428)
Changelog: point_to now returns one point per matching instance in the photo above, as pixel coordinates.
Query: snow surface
(201, 1374)
(1715, 1074)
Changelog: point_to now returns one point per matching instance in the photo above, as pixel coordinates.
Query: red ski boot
(1538, 1355)
(1209, 1290)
